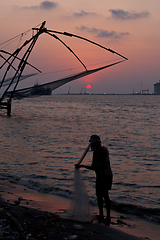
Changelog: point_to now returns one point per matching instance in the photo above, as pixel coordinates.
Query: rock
(20, 199)
(78, 227)
(17, 202)
(73, 237)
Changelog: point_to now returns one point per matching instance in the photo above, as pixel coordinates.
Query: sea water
(45, 136)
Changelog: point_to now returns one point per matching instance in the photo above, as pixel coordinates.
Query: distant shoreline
(133, 94)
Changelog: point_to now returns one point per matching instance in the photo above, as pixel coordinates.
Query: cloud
(84, 14)
(124, 15)
(100, 33)
(45, 5)
(48, 5)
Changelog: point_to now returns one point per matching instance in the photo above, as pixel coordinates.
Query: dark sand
(26, 214)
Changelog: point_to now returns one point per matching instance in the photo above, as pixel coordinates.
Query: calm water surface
(46, 136)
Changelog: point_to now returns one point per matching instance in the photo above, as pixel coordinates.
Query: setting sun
(88, 86)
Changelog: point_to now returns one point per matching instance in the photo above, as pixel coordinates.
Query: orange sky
(131, 28)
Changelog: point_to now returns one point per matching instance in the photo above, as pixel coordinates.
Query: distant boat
(40, 90)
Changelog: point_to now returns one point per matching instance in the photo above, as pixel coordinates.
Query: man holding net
(101, 166)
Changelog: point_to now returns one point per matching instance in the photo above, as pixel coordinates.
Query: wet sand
(38, 215)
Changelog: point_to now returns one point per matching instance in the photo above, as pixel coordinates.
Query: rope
(19, 35)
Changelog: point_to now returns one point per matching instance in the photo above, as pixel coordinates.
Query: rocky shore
(18, 223)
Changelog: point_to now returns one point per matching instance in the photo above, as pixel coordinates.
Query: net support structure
(10, 86)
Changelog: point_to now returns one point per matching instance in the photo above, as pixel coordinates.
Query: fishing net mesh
(79, 209)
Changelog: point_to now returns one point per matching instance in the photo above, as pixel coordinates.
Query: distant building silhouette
(157, 88)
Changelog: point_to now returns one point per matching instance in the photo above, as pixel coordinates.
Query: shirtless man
(101, 166)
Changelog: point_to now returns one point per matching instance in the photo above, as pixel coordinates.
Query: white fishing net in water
(79, 208)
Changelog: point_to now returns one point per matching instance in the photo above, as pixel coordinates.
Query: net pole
(84, 154)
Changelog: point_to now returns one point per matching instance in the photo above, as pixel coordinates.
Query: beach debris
(119, 221)
(122, 217)
(73, 237)
(16, 202)
(6, 231)
(20, 199)
(1, 210)
(9, 192)
(79, 227)
(1, 234)
(28, 236)
(17, 224)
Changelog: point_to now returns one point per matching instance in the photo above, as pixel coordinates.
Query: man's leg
(100, 217)
(108, 206)
(100, 205)
(99, 195)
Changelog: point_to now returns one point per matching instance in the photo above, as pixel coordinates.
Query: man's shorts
(103, 184)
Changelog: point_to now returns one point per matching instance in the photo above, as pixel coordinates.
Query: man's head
(95, 141)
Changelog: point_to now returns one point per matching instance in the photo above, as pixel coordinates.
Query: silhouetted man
(101, 166)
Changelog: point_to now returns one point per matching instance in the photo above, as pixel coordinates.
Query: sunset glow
(130, 28)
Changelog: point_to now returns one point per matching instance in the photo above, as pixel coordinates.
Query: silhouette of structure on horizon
(157, 88)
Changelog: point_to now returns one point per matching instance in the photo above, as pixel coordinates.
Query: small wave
(33, 176)
(152, 214)
(127, 184)
(32, 163)
(10, 178)
(134, 185)
(44, 188)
